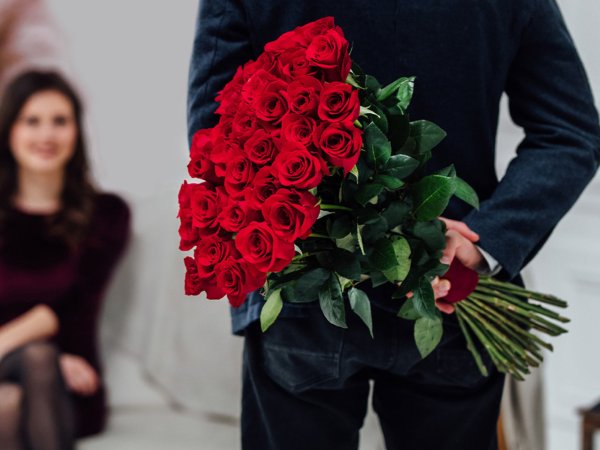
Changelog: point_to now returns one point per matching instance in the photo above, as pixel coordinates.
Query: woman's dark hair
(77, 198)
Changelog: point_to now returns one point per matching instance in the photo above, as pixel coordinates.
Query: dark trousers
(306, 386)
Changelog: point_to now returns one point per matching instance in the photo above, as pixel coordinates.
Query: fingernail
(445, 260)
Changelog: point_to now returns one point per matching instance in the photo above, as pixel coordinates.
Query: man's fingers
(452, 243)
(444, 307)
(460, 227)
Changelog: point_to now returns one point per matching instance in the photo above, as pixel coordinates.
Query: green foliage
(332, 302)
(431, 196)
(271, 310)
(428, 334)
(360, 304)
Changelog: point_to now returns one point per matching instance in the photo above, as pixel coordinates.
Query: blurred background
(173, 368)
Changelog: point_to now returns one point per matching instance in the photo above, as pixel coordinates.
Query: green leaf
(383, 256)
(380, 119)
(341, 225)
(396, 213)
(428, 334)
(427, 135)
(400, 270)
(466, 193)
(404, 165)
(359, 238)
(432, 233)
(449, 171)
(332, 302)
(306, 288)
(347, 264)
(347, 243)
(389, 90)
(354, 172)
(372, 84)
(374, 230)
(405, 92)
(408, 311)
(271, 310)
(360, 304)
(390, 182)
(367, 192)
(365, 112)
(424, 300)
(378, 278)
(431, 196)
(378, 147)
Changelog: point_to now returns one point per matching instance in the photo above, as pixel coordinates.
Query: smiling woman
(59, 242)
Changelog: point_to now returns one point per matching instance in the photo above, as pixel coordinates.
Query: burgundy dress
(36, 268)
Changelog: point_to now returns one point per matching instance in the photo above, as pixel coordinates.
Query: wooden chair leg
(587, 436)
(501, 438)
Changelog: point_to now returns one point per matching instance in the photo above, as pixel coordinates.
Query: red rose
(297, 167)
(303, 94)
(192, 280)
(293, 64)
(264, 185)
(260, 246)
(288, 41)
(200, 165)
(291, 214)
(341, 142)
(329, 51)
(271, 104)
(237, 278)
(317, 28)
(261, 148)
(238, 174)
(205, 207)
(185, 195)
(236, 215)
(211, 251)
(244, 123)
(256, 84)
(188, 233)
(463, 281)
(299, 129)
(339, 102)
(230, 96)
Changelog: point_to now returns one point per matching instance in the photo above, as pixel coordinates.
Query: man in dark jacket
(306, 383)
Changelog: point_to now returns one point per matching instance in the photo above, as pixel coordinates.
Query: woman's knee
(40, 361)
(11, 397)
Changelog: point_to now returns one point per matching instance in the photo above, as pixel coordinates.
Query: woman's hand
(79, 375)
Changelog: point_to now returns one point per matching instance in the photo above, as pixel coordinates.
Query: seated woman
(60, 240)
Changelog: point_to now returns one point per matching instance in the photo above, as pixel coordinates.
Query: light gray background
(130, 58)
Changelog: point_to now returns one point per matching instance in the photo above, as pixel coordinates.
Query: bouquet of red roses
(314, 182)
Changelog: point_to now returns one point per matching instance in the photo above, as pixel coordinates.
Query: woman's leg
(11, 436)
(48, 421)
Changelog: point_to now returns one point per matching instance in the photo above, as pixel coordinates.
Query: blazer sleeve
(550, 98)
(221, 44)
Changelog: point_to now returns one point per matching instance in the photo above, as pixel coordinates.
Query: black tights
(35, 407)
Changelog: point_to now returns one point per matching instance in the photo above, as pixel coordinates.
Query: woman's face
(43, 137)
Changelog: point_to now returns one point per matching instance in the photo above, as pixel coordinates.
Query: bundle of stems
(507, 319)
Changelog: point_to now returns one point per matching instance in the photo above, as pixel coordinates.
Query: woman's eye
(31, 121)
(60, 121)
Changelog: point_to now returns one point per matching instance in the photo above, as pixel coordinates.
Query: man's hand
(79, 375)
(459, 244)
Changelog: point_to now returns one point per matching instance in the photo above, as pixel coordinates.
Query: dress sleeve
(550, 98)
(221, 44)
(100, 255)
